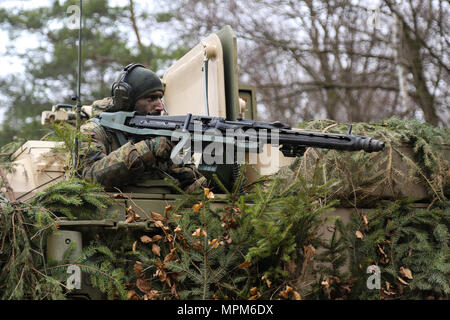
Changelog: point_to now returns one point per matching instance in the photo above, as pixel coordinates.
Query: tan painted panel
(267, 165)
(34, 170)
(184, 81)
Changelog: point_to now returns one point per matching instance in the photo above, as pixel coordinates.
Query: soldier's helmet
(134, 82)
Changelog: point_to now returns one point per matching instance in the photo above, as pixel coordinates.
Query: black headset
(121, 91)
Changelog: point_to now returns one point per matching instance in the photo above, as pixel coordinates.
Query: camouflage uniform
(104, 161)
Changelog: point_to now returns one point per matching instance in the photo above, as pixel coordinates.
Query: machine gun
(247, 135)
(224, 143)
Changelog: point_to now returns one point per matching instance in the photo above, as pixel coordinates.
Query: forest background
(341, 60)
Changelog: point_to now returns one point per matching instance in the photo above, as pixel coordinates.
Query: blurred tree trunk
(401, 64)
(423, 96)
(411, 52)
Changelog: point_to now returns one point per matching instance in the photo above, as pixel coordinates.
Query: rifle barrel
(249, 130)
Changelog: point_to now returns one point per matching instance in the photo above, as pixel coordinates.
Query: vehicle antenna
(77, 96)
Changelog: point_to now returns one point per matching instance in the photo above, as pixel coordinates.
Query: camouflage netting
(414, 163)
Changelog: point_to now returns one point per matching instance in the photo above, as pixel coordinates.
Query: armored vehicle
(202, 84)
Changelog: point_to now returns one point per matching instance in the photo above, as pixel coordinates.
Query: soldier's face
(150, 104)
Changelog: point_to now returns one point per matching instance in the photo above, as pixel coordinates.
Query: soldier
(104, 161)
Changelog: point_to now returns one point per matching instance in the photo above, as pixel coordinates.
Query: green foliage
(268, 231)
(409, 244)
(67, 133)
(25, 273)
(203, 266)
(415, 153)
(334, 252)
(21, 256)
(284, 219)
(100, 263)
(5, 154)
(255, 241)
(416, 239)
(398, 237)
(254, 247)
(237, 246)
(74, 198)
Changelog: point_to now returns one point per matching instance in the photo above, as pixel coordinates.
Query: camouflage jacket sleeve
(102, 164)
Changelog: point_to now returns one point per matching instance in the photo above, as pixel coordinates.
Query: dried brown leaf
(284, 294)
(146, 239)
(138, 268)
(214, 243)
(309, 251)
(366, 221)
(237, 210)
(129, 219)
(381, 250)
(162, 275)
(170, 256)
(157, 216)
(143, 285)
(156, 250)
(405, 272)
(153, 294)
(197, 206)
(196, 233)
(254, 293)
(159, 224)
(268, 282)
(132, 215)
(174, 291)
(156, 238)
(245, 264)
(297, 296)
(131, 295)
(325, 284)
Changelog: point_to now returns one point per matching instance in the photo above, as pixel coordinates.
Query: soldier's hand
(161, 147)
